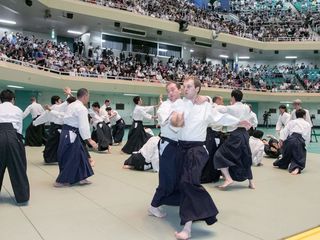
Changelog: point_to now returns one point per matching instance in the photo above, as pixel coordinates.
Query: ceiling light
(74, 32)
(14, 86)
(131, 94)
(291, 57)
(223, 56)
(7, 21)
(244, 57)
(191, 50)
(163, 50)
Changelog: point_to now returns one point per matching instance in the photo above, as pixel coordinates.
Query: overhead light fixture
(7, 21)
(74, 91)
(223, 56)
(14, 86)
(291, 57)
(163, 50)
(191, 50)
(74, 32)
(103, 40)
(244, 57)
(286, 102)
(130, 94)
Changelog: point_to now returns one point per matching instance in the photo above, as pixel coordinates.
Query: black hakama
(51, 147)
(209, 173)
(102, 136)
(35, 135)
(294, 153)
(73, 159)
(118, 131)
(235, 154)
(138, 161)
(137, 137)
(168, 192)
(196, 203)
(13, 157)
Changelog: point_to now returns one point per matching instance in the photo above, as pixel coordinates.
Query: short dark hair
(237, 94)
(258, 134)
(107, 100)
(136, 99)
(300, 113)
(54, 99)
(283, 107)
(108, 109)
(215, 98)
(71, 99)
(175, 83)
(95, 104)
(82, 92)
(33, 98)
(7, 96)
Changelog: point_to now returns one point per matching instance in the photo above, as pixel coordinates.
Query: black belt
(190, 144)
(168, 140)
(119, 121)
(137, 121)
(6, 126)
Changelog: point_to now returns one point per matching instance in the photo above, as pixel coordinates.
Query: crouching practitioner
(293, 139)
(146, 158)
(195, 204)
(74, 165)
(35, 135)
(56, 122)
(234, 157)
(118, 126)
(137, 136)
(12, 151)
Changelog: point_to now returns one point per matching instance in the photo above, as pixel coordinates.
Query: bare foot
(156, 212)
(251, 185)
(127, 167)
(84, 182)
(60, 185)
(225, 184)
(183, 235)
(295, 172)
(92, 162)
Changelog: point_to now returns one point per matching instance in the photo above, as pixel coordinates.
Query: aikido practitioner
(195, 204)
(137, 136)
(118, 125)
(213, 140)
(293, 139)
(284, 118)
(234, 157)
(74, 165)
(12, 151)
(34, 134)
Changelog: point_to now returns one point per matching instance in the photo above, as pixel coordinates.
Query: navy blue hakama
(294, 153)
(118, 131)
(235, 154)
(51, 147)
(196, 203)
(167, 192)
(73, 159)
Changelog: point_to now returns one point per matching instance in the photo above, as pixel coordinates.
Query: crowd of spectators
(104, 63)
(265, 20)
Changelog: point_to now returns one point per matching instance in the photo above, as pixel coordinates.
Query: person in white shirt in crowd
(101, 133)
(213, 140)
(146, 158)
(12, 150)
(192, 121)
(297, 105)
(137, 136)
(34, 134)
(233, 157)
(284, 118)
(293, 140)
(56, 122)
(257, 147)
(74, 165)
(118, 125)
(253, 120)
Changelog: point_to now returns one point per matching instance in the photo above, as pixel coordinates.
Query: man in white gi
(284, 118)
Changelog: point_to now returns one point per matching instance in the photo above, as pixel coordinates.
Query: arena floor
(115, 205)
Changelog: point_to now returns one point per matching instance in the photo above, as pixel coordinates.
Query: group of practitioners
(201, 141)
